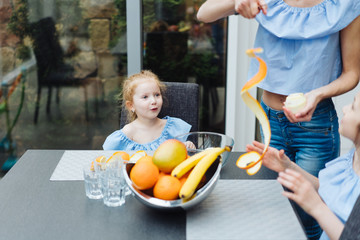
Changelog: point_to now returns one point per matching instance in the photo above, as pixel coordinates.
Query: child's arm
(305, 195)
(213, 10)
(277, 161)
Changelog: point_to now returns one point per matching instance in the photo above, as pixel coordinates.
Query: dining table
(38, 201)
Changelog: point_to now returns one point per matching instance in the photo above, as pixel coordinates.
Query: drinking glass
(91, 181)
(113, 184)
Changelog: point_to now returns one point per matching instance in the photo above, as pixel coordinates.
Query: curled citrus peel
(137, 155)
(252, 161)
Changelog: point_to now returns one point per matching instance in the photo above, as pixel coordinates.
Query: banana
(189, 163)
(190, 185)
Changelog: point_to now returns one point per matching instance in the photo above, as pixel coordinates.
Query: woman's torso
(301, 46)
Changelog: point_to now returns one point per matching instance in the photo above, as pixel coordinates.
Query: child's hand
(190, 145)
(274, 159)
(303, 192)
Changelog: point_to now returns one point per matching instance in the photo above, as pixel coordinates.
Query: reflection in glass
(74, 55)
(178, 48)
(87, 40)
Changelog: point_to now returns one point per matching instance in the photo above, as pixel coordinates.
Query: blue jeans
(309, 144)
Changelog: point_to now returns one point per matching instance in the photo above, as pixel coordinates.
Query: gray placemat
(244, 209)
(70, 165)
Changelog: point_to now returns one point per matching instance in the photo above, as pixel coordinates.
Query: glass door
(179, 48)
(74, 57)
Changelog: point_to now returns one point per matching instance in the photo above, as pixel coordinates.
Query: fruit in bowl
(181, 180)
(144, 174)
(147, 197)
(169, 154)
(204, 140)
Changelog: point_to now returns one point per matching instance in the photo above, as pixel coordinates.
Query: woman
(310, 46)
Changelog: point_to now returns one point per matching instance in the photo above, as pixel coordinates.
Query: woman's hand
(303, 192)
(250, 8)
(274, 159)
(306, 113)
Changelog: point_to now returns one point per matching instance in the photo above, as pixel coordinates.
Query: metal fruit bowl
(204, 140)
(145, 197)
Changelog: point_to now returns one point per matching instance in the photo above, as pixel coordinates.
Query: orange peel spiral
(252, 161)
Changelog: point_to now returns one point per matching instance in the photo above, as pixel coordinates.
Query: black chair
(181, 100)
(51, 69)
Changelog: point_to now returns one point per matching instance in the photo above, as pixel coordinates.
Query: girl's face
(350, 123)
(147, 100)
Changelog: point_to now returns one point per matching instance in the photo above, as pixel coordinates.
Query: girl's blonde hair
(131, 83)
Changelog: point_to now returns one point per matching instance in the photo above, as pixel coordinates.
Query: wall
(240, 121)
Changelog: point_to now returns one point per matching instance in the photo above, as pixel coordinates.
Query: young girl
(331, 197)
(142, 96)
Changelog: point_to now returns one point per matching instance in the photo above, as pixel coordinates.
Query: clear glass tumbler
(92, 183)
(113, 184)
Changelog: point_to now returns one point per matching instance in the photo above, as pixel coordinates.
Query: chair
(181, 100)
(51, 69)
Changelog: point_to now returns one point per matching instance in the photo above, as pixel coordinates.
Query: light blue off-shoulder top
(302, 45)
(339, 186)
(119, 141)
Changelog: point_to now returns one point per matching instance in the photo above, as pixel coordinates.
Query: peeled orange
(144, 175)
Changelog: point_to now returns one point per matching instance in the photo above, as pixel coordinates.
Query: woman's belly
(273, 100)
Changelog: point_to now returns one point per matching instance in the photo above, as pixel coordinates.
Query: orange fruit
(110, 159)
(124, 155)
(167, 188)
(144, 175)
(100, 160)
(92, 166)
(162, 174)
(184, 178)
